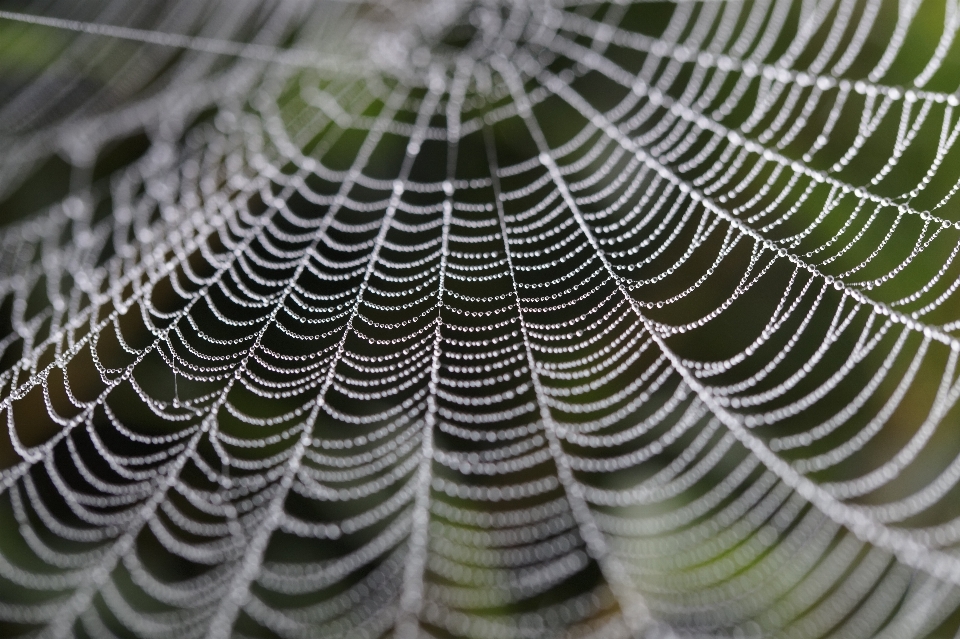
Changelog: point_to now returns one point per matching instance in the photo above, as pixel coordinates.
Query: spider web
(528, 319)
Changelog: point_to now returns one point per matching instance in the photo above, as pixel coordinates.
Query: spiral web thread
(527, 319)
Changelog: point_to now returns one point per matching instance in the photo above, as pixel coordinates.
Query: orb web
(479, 319)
